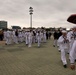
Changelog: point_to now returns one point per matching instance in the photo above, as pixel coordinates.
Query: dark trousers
(1, 37)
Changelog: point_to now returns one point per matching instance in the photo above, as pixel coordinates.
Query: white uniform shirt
(41, 34)
(73, 52)
(20, 34)
(13, 34)
(70, 36)
(38, 35)
(30, 35)
(8, 33)
(44, 34)
(63, 44)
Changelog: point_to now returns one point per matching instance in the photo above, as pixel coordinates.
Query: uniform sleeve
(69, 36)
(60, 40)
(72, 53)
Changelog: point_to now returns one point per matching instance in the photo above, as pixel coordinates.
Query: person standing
(30, 38)
(8, 37)
(59, 34)
(26, 37)
(38, 38)
(20, 36)
(15, 40)
(41, 34)
(34, 37)
(55, 38)
(5, 34)
(47, 36)
(44, 36)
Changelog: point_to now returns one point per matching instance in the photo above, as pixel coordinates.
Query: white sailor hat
(64, 31)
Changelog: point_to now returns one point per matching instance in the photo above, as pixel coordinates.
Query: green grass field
(18, 59)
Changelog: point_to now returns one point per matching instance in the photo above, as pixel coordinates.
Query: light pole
(31, 12)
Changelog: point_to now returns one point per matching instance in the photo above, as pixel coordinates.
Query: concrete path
(18, 59)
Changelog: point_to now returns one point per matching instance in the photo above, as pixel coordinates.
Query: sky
(47, 13)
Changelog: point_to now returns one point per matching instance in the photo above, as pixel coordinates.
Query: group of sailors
(27, 36)
(66, 42)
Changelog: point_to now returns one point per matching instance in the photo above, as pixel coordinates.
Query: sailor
(44, 36)
(59, 34)
(8, 37)
(26, 37)
(72, 37)
(15, 40)
(38, 38)
(63, 41)
(20, 36)
(41, 34)
(30, 38)
(34, 37)
(72, 56)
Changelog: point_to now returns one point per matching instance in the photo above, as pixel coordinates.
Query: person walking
(63, 41)
(72, 56)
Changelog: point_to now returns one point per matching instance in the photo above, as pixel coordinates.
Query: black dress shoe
(26, 44)
(59, 51)
(53, 45)
(65, 66)
(5, 43)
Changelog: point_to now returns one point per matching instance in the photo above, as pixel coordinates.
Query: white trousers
(26, 40)
(34, 39)
(44, 39)
(55, 42)
(39, 41)
(8, 40)
(29, 42)
(20, 39)
(63, 56)
(15, 39)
